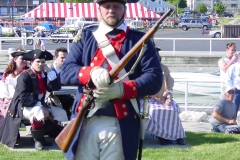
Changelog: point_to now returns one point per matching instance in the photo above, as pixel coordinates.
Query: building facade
(231, 5)
(156, 5)
(161, 6)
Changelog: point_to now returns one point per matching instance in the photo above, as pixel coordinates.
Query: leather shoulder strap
(110, 55)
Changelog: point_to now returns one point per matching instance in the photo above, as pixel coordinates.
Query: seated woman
(9, 81)
(164, 122)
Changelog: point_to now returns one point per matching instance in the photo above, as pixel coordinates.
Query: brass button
(125, 113)
(117, 47)
(135, 116)
(84, 67)
(80, 74)
(134, 88)
(92, 64)
(95, 58)
(124, 105)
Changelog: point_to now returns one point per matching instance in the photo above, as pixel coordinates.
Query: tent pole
(27, 6)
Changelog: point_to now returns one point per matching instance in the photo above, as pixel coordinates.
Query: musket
(65, 138)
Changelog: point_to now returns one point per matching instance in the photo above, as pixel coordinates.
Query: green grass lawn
(203, 146)
(223, 21)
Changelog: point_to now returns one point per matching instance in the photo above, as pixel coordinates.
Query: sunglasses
(231, 92)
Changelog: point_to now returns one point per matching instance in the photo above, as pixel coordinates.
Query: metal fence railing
(208, 45)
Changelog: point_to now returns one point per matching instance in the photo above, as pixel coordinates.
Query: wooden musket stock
(65, 138)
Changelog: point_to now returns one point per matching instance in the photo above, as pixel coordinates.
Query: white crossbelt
(110, 54)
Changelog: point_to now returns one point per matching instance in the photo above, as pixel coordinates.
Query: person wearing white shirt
(224, 63)
(10, 75)
(233, 80)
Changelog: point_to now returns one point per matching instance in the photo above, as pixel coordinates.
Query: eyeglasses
(231, 92)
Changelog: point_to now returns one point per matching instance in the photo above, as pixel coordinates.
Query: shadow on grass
(197, 138)
(27, 144)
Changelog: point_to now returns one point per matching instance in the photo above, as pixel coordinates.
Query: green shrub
(8, 34)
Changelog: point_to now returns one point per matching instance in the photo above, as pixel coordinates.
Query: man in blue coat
(110, 130)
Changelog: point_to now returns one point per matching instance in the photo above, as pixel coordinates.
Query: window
(15, 12)
(21, 9)
(159, 2)
(3, 11)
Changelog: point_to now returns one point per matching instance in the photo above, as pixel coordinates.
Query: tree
(172, 2)
(201, 8)
(219, 8)
(182, 4)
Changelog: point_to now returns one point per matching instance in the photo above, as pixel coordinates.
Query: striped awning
(86, 10)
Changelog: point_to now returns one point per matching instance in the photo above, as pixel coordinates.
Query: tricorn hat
(17, 53)
(38, 54)
(100, 2)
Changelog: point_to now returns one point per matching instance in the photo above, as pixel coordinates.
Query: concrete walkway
(27, 144)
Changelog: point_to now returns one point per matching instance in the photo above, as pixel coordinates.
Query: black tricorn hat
(37, 54)
(17, 53)
(103, 1)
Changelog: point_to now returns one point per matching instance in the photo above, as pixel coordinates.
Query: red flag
(15, 3)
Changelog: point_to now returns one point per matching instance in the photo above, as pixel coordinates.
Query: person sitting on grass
(162, 116)
(224, 114)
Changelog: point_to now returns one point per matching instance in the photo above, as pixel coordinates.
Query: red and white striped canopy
(86, 10)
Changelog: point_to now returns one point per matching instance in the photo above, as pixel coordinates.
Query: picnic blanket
(163, 121)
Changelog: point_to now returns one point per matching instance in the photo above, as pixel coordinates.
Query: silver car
(194, 23)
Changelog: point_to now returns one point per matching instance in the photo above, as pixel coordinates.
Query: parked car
(226, 14)
(185, 15)
(202, 16)
(185, 20)
(215, 33)
(175, 23)
(194, 23)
